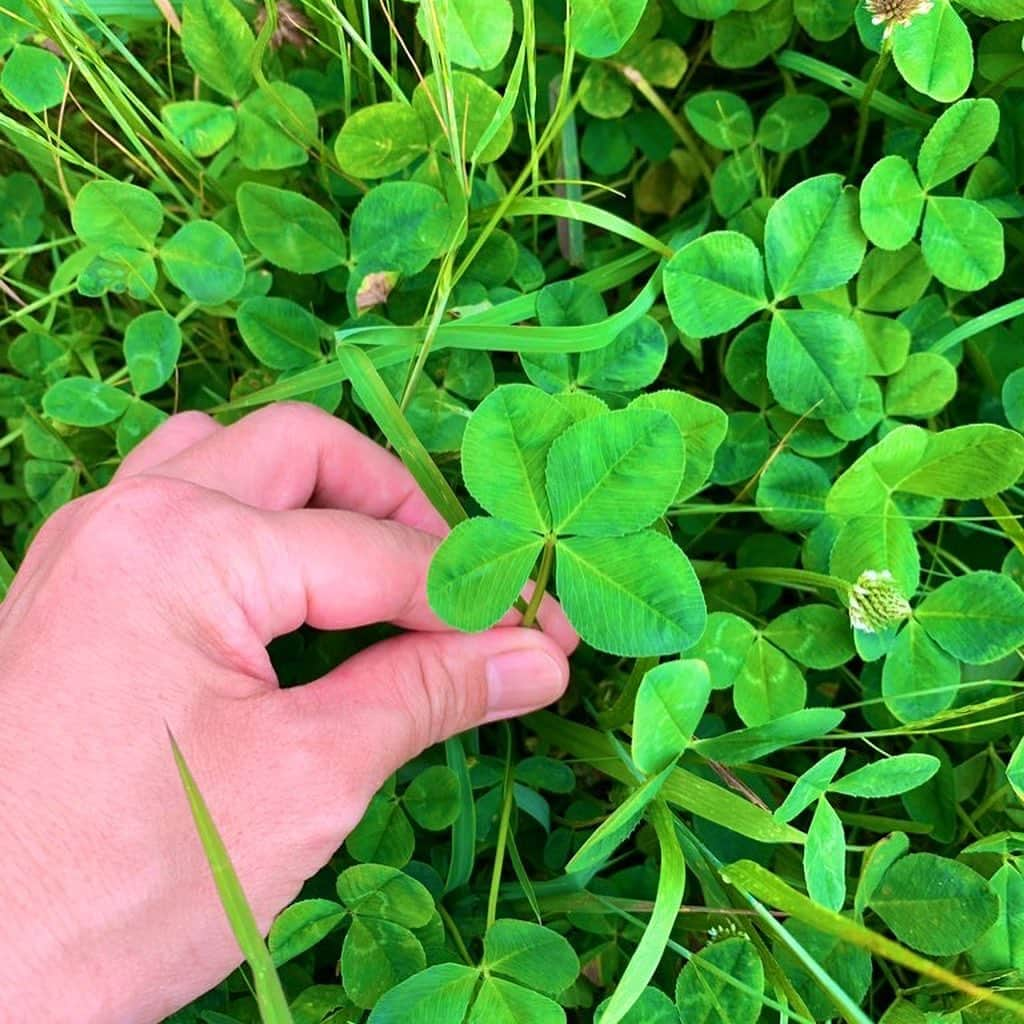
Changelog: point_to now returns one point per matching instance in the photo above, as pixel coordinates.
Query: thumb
(391, 701)
(324, 749)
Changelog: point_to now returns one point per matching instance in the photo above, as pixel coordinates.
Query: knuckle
(176, 433)
(420, 547)
(137, 501)
(133, 519)
(60, 521)
(189, 422)
(294, 415)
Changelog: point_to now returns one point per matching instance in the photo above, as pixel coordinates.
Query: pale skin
(148, 606)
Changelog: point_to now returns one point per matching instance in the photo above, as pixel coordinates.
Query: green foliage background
(706, 313)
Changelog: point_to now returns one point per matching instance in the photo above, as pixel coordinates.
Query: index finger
(338, 570)
(293, 455)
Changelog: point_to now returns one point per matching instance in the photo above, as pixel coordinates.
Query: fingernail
(522, 681)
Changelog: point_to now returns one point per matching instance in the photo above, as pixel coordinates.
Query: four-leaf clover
(586, 494)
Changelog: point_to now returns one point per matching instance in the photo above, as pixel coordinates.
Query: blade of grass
(978, 324)
(504, 828)
(1007, 520)
(345, 27)
(523, 877)
(727, 979)
(621, 712)
(682, 788)
(603, 278)
(136, 120)
(463, 850)
(570, 209)
(90, 12)
(508, 101)
(850, 1011)
(676, 123)
(381, 405)
(760, 884)
(647, 955)
(847, 84)
(570, 230)
(270, 997)
(496, 338)
(649, 951)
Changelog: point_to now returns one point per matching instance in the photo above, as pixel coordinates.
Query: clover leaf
(961, 239)
(816, 358)
(587, 494)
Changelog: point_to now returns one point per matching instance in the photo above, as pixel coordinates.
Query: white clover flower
(876, 602)
(896, 12)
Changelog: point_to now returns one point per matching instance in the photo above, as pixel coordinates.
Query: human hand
(151, 603)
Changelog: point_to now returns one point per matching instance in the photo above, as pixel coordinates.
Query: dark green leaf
(722, 984)
(290, 230)
(218, 44)
(84, 402)
(505, 452)
(934, 904)
(889, 777)
(977, 618)
(301, 926)
(715, 283)
(376, 956)
(380, 140)
(825, 858)
(531, 955)
(202, 259)
(400, 225)
(813, 239)
(33, 79)
(113, 213)
(432, 798)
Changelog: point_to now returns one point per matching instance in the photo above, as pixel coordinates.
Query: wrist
(48, 969)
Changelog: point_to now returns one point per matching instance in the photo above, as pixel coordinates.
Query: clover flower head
(876, 603)
(896, 12)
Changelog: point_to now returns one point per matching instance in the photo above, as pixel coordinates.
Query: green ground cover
(708, 315)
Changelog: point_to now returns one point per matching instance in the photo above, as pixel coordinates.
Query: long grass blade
(586, 213)
(381, 405)
(683, 789)
(495, 338)
(978, 324)
(463, 851)
(648, 953)
(270, 997)
(847, 84)
(754, 880)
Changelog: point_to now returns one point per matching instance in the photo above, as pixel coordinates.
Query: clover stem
(543, 573)
(864, 113)
(453, 931)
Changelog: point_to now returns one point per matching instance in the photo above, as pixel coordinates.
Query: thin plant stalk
(864, 111)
